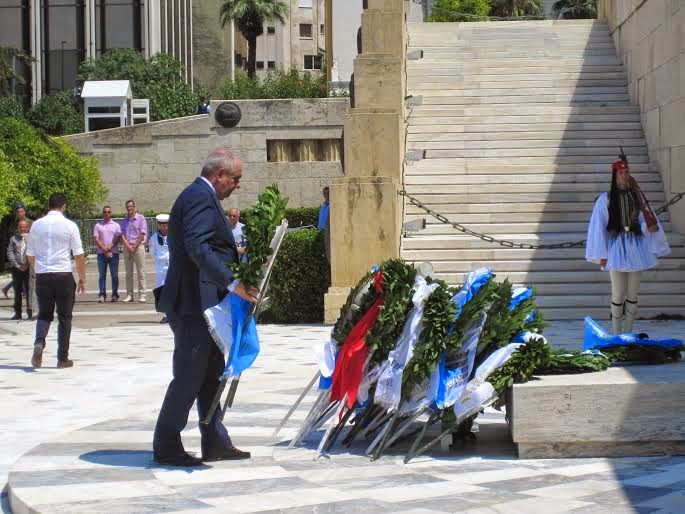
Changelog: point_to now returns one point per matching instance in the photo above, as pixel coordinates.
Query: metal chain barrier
(512, 244)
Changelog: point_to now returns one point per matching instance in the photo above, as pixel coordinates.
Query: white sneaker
(128, 299)
(142, 298)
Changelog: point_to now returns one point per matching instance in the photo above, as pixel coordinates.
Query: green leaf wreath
(398, 282)
(260, 226)
(351, 313)
(437, 317)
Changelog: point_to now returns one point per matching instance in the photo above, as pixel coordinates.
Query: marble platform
(631, 410)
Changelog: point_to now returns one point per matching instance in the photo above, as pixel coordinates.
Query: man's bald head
(224, 170)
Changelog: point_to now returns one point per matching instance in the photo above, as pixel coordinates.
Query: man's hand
(603, 262)
(251, 295)
(81, 287)
(653, 228)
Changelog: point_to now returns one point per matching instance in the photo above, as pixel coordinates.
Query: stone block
(378, 82)
(298, 112)
(334, 300)
(382, 32)
(673, 124)
(365, 226)
(373, 143)
(677, 184)
(625, 411)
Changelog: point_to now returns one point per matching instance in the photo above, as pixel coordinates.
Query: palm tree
(250, 16)
(515, 8)
(575, 9)
(7, 72)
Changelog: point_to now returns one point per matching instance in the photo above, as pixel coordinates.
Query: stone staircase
(516, 125)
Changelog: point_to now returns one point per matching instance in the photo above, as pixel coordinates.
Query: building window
(312, 62)
(306, 3)
(322, 29)
(271, 65)
(271, 30)
(305, 30)
(260, 65)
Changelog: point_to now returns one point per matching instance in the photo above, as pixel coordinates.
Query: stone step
(603, 154)
(604, 288)
(555, 63)
(539, 265)
(433, 200)
(542, 155)
(516, 53)
(537, 178)
(497, 253)
(429, 83)
(434, 227)
(527, 91)
(538, 67)
(631, 146)
(460, 241)
(478, 166)
(600, 313)
(527, 78)
(598, 41)
(513, 124)
(510, 217)
(544, 109)
(568, 99)
(528, 208)
(578, 137)
(566, 278)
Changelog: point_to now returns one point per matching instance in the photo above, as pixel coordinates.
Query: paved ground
(78, 440)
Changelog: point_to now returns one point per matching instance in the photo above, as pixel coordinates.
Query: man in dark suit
(200, 246)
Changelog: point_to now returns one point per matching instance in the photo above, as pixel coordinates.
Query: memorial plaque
(228, 114)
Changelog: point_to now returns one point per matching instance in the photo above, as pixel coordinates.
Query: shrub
(297, 217)
(276, 84)
(10, 107)
(44, 165)
(300, 278)
(159, 79)
(57, 114)
(575, 9)
(516, 8)
(9, 194)
(454, 10)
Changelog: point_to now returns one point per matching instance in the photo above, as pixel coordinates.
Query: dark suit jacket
(200, 246)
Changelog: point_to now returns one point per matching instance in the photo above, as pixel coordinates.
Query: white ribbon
(389, 387)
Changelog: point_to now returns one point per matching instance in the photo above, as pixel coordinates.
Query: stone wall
(153, 162)
(650, 40)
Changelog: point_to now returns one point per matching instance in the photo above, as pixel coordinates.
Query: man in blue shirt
(323, 213)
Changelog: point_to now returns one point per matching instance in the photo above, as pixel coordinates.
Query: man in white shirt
(52, 241)
(159, 250)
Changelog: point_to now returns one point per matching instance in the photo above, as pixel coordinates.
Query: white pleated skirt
(628, 252)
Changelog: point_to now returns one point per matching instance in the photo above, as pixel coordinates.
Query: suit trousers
(21, 285)
(55, 289)
(137, 259)
(197, 366)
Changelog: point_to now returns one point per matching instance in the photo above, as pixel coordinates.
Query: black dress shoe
(16, 317)
(228, 454)
(185, 461)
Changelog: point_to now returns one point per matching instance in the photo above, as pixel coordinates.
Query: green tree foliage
(301, 277)
(160, 79)
(575, 9)
(10, 107)
(7, 72)
(276, 84)
(454, 10)
(514, 8)
(250, 16)
(9, 192)
(39, 166)
(57, 114)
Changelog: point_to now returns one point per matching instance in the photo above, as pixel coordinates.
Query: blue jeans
(113, 264)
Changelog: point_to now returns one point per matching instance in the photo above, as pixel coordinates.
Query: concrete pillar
(366, 210)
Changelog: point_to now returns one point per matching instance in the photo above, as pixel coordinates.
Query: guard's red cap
(619, 165)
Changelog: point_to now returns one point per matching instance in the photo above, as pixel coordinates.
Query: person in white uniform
(159, 250)
(625, 238)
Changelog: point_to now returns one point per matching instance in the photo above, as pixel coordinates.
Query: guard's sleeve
(597, 247)
(656, 241)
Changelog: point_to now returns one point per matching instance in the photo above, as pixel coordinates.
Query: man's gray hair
(219, 158)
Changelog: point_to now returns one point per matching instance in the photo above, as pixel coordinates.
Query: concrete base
(334, 300)
(625, 411)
